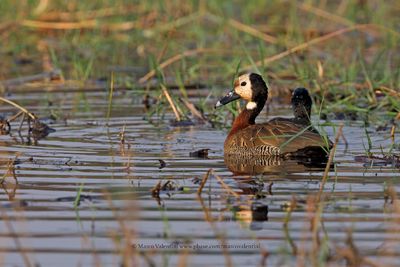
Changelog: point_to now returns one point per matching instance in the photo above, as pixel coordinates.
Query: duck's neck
(246, 118)
(302, 113)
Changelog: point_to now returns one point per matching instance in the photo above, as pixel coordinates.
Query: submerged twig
(10, 171)
(21, 123)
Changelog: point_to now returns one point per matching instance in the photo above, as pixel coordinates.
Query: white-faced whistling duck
(284, 137)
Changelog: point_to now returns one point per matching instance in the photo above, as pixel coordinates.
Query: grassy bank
(345, 52)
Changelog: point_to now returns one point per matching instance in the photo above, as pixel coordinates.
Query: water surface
(117, 213)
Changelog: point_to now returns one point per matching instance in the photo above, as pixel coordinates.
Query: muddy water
(43, 224)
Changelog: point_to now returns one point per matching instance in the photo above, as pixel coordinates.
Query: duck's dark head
(250, 87)
(301, 103)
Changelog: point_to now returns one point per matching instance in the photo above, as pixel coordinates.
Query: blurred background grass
(346, 52)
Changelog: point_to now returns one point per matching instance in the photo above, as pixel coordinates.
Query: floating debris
(40, 130)
(167, 188)
(181, 123)
(15, 204)
(270, 188)
(121, 136)
(201, 153)
(196, 180)
(148, 101)
(155, 191)
(252, 187)
(385, 160)
(289, 206)
(74, 199)
(162, 164)
(5, 127)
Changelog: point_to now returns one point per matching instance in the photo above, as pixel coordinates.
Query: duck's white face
(243, 87)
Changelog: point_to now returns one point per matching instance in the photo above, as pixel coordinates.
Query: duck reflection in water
(272, 164)
(252, 215)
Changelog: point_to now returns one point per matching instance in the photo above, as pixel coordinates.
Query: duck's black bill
(231, 96)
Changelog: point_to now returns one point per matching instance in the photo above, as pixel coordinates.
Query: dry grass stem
(388, 90)
(171, 103)
(328, 164)
(164, 27)
(293, 204)
(84, 24)
(183, 258)
(128, 253)
(252, 31)
(10, 171)
(393, 132)
(18, 244)
(48, 75)
(225, 186)
(33, 117)
(91, 14)
(21, 122)
(395, 201)
(324, 14)
(241, 27)
(203, 181)
(41, 7)
(306, 45)
(208, 217)
(192, 108)
(174, 59)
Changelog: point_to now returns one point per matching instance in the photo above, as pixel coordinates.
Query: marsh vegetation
(134, 173)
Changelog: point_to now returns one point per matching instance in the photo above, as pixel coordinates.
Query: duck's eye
(243, 84)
